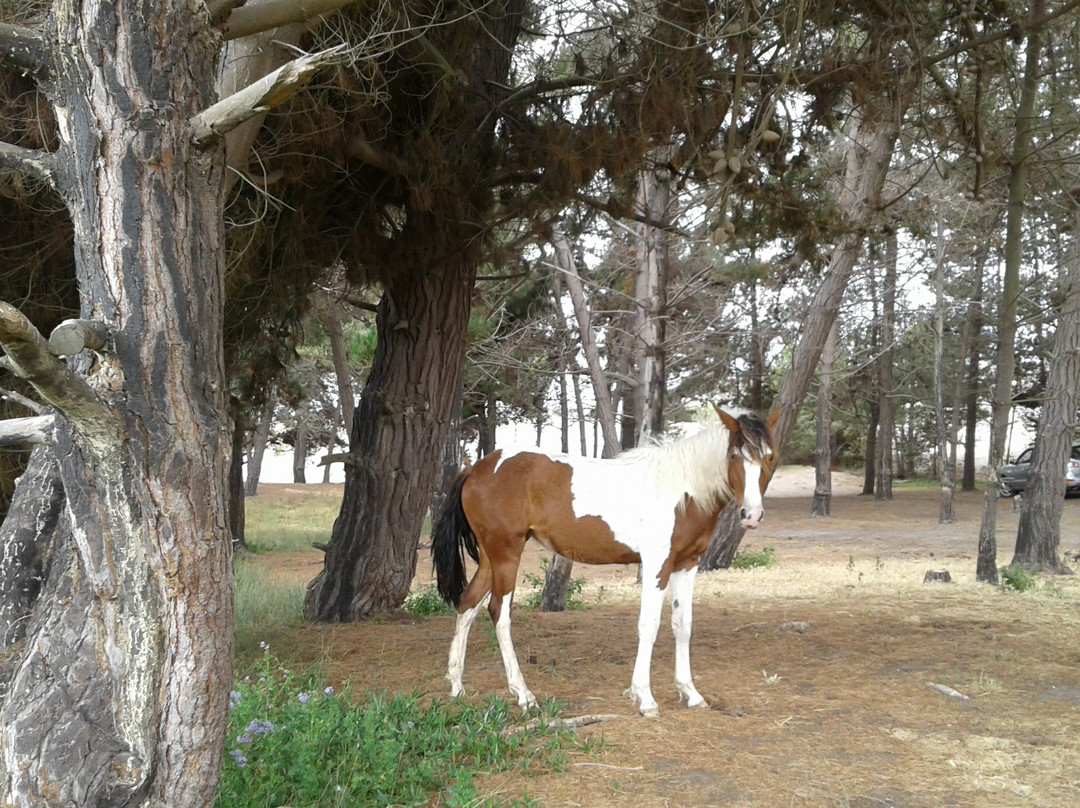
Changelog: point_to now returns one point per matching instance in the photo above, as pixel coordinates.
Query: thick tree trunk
(258, 447)
(869, 153)
(399, 429)
(986, 564)
(822, 500)
(886, 409)
(1039, 533)
(121, 697)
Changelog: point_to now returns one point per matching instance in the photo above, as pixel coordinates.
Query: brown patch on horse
(529, 496)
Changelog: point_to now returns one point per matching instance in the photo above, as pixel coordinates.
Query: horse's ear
(731, 423)
(772, 418)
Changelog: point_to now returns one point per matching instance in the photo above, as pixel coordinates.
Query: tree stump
(937, 576)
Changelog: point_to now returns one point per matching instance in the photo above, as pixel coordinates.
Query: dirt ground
(818, 670)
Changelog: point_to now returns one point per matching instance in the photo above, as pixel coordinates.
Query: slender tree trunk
(340, 355)
(887, 418)
(819, 506)
(564, 259)
(564, 409)
(869, 153)
(757, 354)
(986, 565)
(1039, 533)
(650, 296)
(580, 408)
(946, 470)
(237, 514)
(258, 447)
(123, 690)
(300, 446)
(553, 596)
(869, 463)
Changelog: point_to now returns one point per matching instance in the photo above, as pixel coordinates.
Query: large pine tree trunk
(121, 696)
(399, 428)
(1039, 533)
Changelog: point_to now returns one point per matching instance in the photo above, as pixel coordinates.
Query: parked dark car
(1014, 476)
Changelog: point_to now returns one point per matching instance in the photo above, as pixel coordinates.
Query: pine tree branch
(34, 162)
(29, 358)
(256, 17)
(1019, 28)
(24, 48)
(24, 431)
(260, 96)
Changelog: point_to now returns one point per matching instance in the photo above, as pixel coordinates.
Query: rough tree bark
(1039, 533)
(650, 296)
(870, 147)
(886, 409)
(823, 435)
(258, 446)
(946, 469)
(121, 696)
(427, 265)
(401, 419)
(1001, 404)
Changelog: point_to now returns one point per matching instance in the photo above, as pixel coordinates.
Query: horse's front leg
(652, 601)
(682, 616)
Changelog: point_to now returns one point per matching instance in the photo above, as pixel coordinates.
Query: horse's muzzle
(752, 518)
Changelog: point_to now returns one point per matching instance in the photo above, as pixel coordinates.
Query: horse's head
(752, 457)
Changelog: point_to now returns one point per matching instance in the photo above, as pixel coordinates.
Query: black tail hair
(450, 537)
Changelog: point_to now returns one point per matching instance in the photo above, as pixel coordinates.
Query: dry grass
(838, 714)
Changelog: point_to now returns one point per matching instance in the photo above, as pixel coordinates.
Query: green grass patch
(748, 559)
(294, 741)
(290, 523)
(264, 606)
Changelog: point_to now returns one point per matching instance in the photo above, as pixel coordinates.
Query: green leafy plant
(575, 589)
(748, 559)
(1018, 579)
(293, 740)
(426, 601)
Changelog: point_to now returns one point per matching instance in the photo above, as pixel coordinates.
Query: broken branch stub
(72, 337)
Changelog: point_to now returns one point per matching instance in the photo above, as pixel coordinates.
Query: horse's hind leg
(682, 615)
(472, 599)
(502, 596)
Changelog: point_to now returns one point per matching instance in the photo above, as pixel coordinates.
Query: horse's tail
(450, 537)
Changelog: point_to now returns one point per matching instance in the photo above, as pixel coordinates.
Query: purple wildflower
(303, 698)
(239, 757)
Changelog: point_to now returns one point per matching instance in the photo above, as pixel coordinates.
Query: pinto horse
(655, 505)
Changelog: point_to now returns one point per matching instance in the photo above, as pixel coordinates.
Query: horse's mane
(695, 464)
